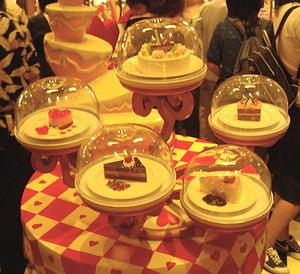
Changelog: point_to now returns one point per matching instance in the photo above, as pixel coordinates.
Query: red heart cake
(61, 118)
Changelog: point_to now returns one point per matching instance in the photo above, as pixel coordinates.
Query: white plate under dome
(37, 126)
(246, 201)
(269, 117)
(138, 201)
(130, 66)
(232, 221)
(96, 181)
(163, 86)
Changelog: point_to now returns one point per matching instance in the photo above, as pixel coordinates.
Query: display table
(64, 235)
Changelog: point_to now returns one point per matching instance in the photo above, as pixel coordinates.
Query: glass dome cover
(43, 108)
(160, 52)
(124, 169)
(249, 110)
(249, 86)
(226, 187)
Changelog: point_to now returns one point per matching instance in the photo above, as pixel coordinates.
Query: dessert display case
(227, 187)
(53, 116)
(249, 110)
(161, 54)
(125, 171)
(161, 61)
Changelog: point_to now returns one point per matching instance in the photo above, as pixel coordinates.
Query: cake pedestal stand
(46, 161)
(174, 101)
(172, 104)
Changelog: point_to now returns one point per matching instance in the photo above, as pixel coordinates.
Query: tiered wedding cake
(70, 51)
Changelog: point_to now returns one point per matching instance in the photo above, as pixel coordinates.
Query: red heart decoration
(36, 226)
(215, 256)
(37, 203)
(170, 265)
(75, 194)
(51, 259)
(58, 113)
(107, 30)
(93, 243)
(114, 271)
(243, 248)
(166, 217)
(42, 182)
(82, 216)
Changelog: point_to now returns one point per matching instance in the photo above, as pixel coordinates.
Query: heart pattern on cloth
(82, 216)
(42, 182)
(93, 243)
(243, 248)
(170, 265)
(36, 226)
(37, 203)
(215, 256)
(167, 218)
(51, 259)
(115, 271)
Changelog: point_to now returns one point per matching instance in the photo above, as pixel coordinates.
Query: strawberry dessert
(60, 118)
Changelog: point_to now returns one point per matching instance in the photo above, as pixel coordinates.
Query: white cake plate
(153, 85)
(273, 126)
(139, 198)
(244, 214)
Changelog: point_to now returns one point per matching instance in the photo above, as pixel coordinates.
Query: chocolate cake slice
(249, 110)
(117, 170)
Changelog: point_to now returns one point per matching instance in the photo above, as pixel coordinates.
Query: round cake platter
(247, 200)
(273, 126)
(130, 66)
(270, 116)
(153, 85)
(138, 198)
(36, 135)
(244, 213)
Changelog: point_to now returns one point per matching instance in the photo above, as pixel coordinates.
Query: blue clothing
(224, 47)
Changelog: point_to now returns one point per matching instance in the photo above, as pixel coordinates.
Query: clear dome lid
(249, 109)
(226, 187)
(125, 169)
(56, 113)
(160, 53)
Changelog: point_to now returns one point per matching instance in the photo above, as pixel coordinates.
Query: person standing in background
(38, 26)
(284, 161)
(18, 68)
(190, 9)
(210, 14)
(15, 10)
(226, 40)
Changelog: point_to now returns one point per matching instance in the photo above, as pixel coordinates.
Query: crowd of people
(22, 61)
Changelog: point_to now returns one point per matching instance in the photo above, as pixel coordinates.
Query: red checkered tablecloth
(63, 235)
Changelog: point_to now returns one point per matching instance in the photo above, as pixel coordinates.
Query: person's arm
(214, 68)
(214, 52)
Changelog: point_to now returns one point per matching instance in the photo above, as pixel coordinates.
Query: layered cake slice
(60, 118)
(249, 109)
(127, 169)
(228, 188)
